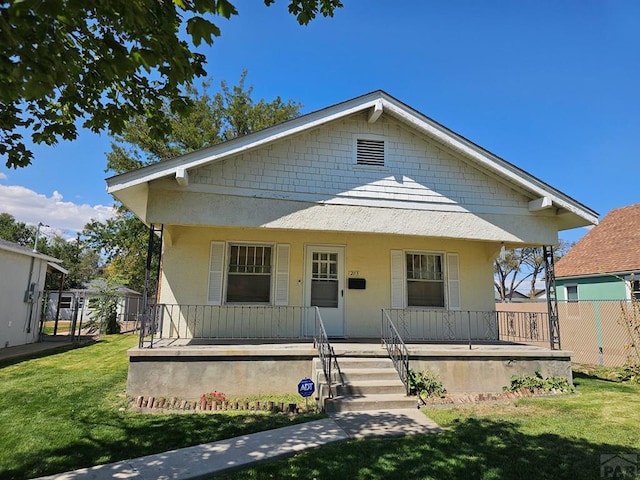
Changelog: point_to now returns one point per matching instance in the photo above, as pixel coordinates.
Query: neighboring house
(363, 212)
(364, 205)
(596, 281)
(79, 303)
(22, 278)
(523, 295)
(602, 264)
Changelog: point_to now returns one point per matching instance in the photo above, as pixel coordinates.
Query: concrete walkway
(49, 343)
(204, 461)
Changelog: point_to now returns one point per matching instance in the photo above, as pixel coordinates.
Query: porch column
(552, 299)
(154, 231)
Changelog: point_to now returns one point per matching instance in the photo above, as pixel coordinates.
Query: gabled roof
(611, 247)
(571, 213)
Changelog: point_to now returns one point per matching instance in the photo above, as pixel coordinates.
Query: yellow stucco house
(362, 206)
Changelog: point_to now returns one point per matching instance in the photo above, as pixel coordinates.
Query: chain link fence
(592, 330)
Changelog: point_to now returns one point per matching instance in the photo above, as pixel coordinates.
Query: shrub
(537, 382)
(425, 384)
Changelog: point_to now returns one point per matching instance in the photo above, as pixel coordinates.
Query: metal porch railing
(326, 353)
(438, 325)
(227, 322)
(396, 349)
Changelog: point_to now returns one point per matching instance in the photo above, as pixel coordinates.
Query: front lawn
(62, 412)
(67, 410)
(559, 437)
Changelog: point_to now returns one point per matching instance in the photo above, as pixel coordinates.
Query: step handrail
(325, 351)
(396, 349)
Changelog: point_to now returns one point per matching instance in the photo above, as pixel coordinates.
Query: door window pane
(324, 281)
(324, 293)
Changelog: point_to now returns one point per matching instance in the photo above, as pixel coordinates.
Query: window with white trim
(425, 280)
(572, 293)
(249, 274)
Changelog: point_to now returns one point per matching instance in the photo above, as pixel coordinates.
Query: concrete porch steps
(366, 384)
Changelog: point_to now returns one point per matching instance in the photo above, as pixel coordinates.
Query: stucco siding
(175, 207)
(185, 268)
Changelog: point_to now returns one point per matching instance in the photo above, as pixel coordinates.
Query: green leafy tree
(82, 263)
(123, 241)
(16, 232)
(67, 64)
(210, 120)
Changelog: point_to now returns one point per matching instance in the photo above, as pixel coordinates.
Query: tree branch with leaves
(73, 64)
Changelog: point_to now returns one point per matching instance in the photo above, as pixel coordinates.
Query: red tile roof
(613, 246)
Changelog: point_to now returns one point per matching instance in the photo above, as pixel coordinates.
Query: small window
(370, 152)
(249, 277)
(572, 293)
(66, 301)
(635, 289)
(425, 281)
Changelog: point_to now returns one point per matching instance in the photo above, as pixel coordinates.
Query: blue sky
(552, 87)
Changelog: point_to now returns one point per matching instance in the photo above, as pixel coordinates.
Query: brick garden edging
(160, 404)
(147, 404)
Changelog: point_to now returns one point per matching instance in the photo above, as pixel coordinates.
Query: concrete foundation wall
(482, 374)
(188, 377)
(187, 374)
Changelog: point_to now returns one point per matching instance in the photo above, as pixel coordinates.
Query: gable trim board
(570, 213)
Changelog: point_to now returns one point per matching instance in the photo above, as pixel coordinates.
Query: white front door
(324, 285)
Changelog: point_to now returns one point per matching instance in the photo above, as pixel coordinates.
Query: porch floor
(345, 348)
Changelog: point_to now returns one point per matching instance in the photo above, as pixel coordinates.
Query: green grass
(62, 411)
(558, 437)
(66, 410)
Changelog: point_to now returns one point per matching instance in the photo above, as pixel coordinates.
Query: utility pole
(35, 244)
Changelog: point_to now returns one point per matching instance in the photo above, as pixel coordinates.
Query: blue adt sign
(306, 387)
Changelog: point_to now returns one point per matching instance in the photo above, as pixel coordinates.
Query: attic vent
(370, 152)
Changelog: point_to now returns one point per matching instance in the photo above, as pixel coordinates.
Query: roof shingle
(613, 246)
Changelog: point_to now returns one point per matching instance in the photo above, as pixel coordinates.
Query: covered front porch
(187, 350)
(173, 324)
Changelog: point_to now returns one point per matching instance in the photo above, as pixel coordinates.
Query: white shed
(22, 278)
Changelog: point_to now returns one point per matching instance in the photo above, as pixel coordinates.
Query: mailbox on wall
(357, 284)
